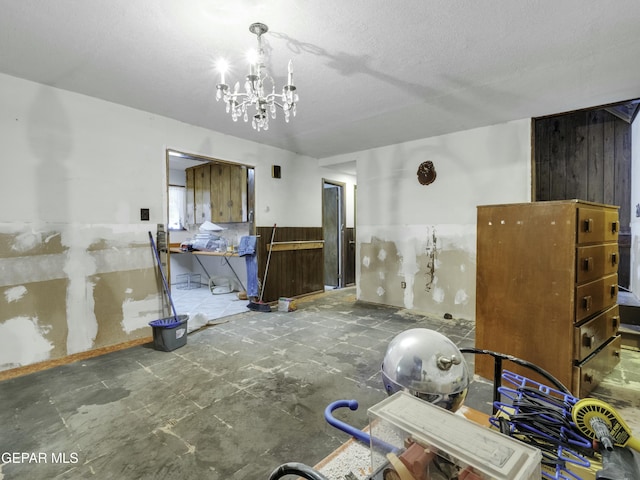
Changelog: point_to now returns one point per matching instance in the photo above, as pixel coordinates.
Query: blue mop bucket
(169, 333)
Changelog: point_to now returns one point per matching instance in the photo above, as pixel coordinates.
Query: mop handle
(264, 280)
(164, 280)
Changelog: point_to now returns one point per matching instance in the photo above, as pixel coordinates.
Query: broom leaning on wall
(260, 306)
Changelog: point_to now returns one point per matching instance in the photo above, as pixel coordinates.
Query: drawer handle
(614, 290)
(614, 258)
(616, 353)
(614, 227)
(589, 340)
(586, 302)
(615, 321)
(588, 378)
(588, 264)
(588, 225)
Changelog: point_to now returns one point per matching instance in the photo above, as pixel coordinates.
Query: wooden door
(238, 193)
(228, 193)
(202, 194)
(217, 192)
(220, 192)
(190, 192)
(587, 155)
(331, 228)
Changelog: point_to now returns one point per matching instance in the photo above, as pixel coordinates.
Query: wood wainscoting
(296, 266)
(350, 260)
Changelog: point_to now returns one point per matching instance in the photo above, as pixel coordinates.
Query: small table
(197, 253)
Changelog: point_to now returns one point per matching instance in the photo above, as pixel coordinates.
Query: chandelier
(256, 83)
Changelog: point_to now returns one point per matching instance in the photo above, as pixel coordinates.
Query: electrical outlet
(403, 284)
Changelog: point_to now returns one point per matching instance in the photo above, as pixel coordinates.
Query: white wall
(277, 201)
(425, 235)
(83, 151)
(75, 172)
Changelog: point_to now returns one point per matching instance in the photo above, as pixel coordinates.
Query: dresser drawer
(595, 296)
(589, 336)
(596, 261)
(590, 373)
(597, 225)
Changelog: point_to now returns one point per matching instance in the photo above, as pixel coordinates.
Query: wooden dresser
(546, 289)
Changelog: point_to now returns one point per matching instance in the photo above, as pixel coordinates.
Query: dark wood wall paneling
(587, 155)
(350, 261)
(291, 272)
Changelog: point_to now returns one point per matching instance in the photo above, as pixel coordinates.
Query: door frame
(342, 215)
(180, 159)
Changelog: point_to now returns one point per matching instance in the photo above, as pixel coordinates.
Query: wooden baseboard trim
(47, 364)
(308, 296)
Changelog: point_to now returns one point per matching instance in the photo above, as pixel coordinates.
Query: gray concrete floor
(239, 399)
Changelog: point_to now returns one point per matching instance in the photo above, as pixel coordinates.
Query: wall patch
(15, 293)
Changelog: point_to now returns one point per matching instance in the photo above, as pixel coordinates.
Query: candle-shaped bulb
(290, 70)
(222, 67)
(252, 57)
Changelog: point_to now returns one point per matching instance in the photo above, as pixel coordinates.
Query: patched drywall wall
(64, 292)
(425, 235)
(76, 269)
(125, 302)
(419, 268)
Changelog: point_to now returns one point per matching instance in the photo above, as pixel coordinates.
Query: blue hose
(354, 432)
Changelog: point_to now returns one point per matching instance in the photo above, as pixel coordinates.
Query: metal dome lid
(427, 364)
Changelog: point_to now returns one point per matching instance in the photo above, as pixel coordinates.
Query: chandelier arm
(239, 95)
(274, 96)
(241, 106)
(278, 105)
(278, 96)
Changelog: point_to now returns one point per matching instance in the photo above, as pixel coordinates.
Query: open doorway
(333, 224)
(210, 205)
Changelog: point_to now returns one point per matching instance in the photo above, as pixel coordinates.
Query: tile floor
(203, 307)
(239, 399)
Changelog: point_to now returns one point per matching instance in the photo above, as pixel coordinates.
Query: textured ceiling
(369, 72)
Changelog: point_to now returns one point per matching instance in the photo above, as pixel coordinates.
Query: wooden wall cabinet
(546, 289)
(216, 192)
